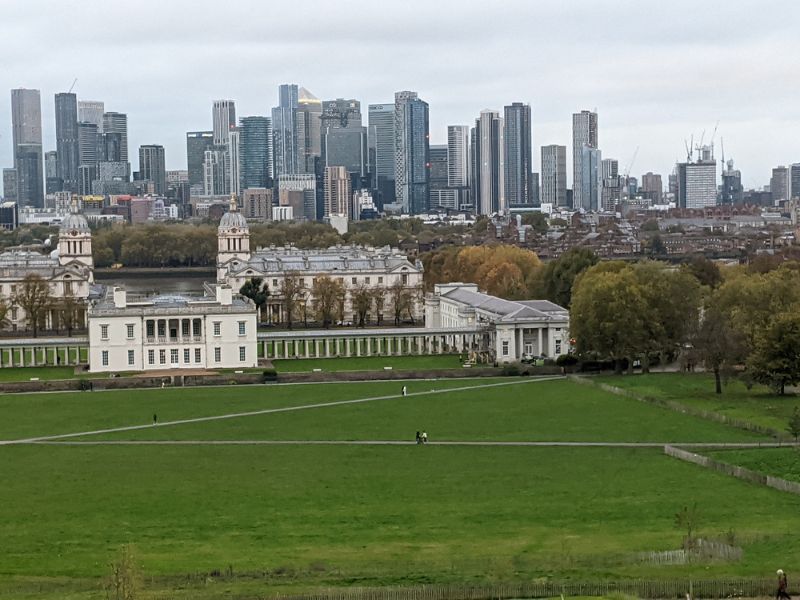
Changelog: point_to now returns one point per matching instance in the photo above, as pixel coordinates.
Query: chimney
(224, 295)
(120, 297)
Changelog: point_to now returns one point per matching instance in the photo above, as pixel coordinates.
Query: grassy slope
(388, 514)
(758, 405)
(780, 462)
(64, 412)
(534, 411)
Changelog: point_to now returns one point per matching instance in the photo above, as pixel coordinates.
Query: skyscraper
(584, 133)
(88, 144)
(652, 187)
(732, 191)
(152, 167)
(309, 110)
(457, 155)
(284, 131)
(344, 138)
(554, 175)
(52, 182)
(591, 180)
(10, 185)
(487, 164)
(114, 122)
(26, 121)
(67, 140)
(224, 117)
(215, 172)
(337, 192)
(382, 149)
(91, 111)
(412, 154)
(518, 176)
(794, 181)
(255, 151)
(697, 181)
(235, 161)
(779, 184)
(197, 142)
(612, 184)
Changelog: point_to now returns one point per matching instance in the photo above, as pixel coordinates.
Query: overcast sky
(656, 71)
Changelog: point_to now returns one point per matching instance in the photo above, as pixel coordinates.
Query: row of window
(529, 347)
(174, 355)
(162, 332)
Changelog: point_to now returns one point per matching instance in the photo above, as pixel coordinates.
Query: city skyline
(740, 81)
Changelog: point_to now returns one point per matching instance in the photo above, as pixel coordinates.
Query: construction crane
(72, 86)
(713, 135)
(630, 164)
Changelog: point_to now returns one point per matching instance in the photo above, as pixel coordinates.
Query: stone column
(369, 346)
(327, 347)
(539, 348)
(346, 347)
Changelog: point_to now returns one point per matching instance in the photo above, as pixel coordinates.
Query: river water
(166, 283)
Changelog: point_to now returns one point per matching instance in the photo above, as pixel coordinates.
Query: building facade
(652, 187)
(412, 152)
(697, 182)
(284, 131)
(338, 192)
(510, 330)
(381, 142)
(26, 129)
(554, 175)
(517, 154)
(116, 124)
(255, 148)
(172, 332)
(153, 167)
(584, 133)
(197, 142)
(223, 116)
(67, 140)
(488, 170)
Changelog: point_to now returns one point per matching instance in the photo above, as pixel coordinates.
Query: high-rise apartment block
(697, 181)
(488, 170)
(197, 142)
(584, 133)
(517, 155)
(224, 120)
(554, 175)
(91, 111)
(338, 192)
(117, 123)
(412, 159)
(256, 152)
(344, 138)
(284, 131)
(779, 184)
(652, 187)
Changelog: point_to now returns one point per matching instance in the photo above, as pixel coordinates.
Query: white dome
(74, 221)
(233, 219)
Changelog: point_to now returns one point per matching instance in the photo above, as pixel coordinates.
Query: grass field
(303, 516)
(780, 462)
(757, 405)
(371, 363)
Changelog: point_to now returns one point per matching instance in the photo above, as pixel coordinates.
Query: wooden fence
(651, 590)
(734, 471)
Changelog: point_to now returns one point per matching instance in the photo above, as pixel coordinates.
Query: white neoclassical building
(68, 271)
(511, 329)
(213, 331)
(354, 266)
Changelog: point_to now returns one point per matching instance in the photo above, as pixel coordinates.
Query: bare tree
(124, 581)
(35, 300)
(328, 295)
(292, 292)
(402, 301)
(379, 299)
(5, 307)
(67, 311)
(362, 297)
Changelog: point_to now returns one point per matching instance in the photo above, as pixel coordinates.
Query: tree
(67, 310)
(34, 298)
(655, 246)
(775, 361)
(688, 519)
(558, 276)
(402, 301)
(362, 298)
(379, 299)
(328, 294)
(705, 271)
(609, 313)
(650, 225)
(124, 581)
(794, 424)
(291, 294)
(4, 310)
(537, 220)
(257, 291)
(716, 343)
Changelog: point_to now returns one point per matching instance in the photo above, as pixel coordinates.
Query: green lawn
(758, 405)
(780, 462)
(43, 373)
(533, 411)
(373, 515)
(297, 517)
(372, 363)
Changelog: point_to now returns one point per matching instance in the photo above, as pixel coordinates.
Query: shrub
(270, 375)
(567, 360)
(510, 370)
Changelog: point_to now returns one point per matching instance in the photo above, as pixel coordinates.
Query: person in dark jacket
(783, 587)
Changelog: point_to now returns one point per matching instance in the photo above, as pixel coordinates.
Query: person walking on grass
(783, 587)
(424, 437)
(155, 419)
(419, 438)
(405, 391)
